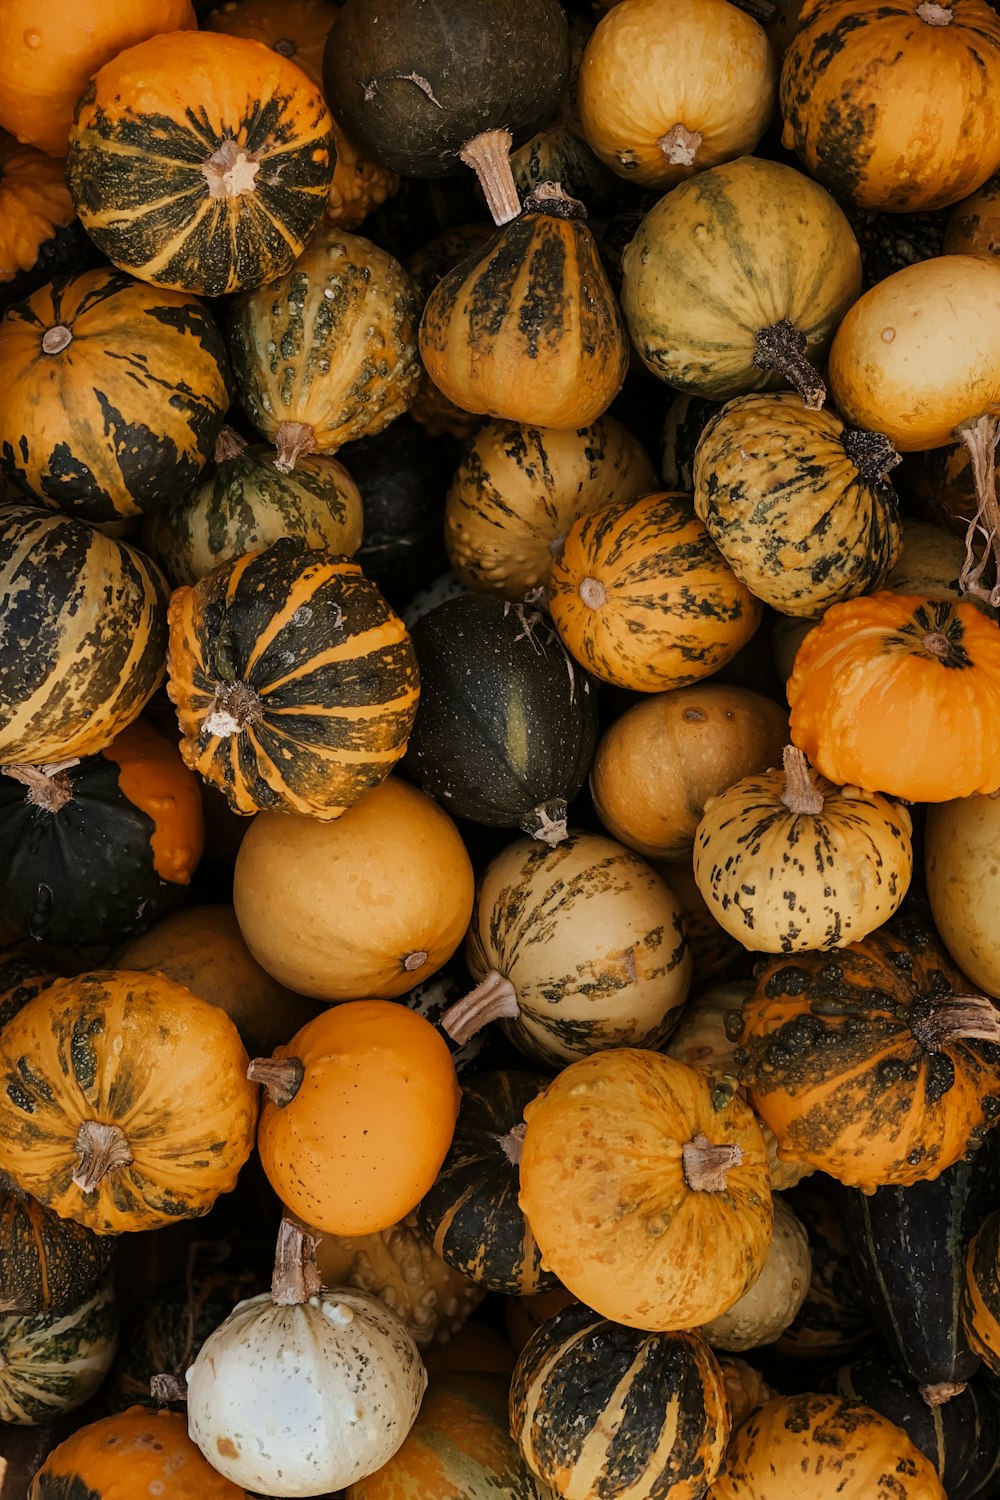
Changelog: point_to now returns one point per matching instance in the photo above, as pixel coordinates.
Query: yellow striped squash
(981, 1294)
(53, 1362)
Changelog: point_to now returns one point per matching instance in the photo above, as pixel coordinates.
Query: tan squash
(764, 1312)
(963, 883)
(974, 225)
(715, 956)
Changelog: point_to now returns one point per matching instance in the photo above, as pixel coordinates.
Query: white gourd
(764, 1312)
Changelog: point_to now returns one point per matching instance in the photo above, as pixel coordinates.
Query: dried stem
(55, 340)
(234, 706)
(512, 1144)
(706, 1167)
(547, 822)
(101, 1149)
(494, 997)
(165, 1389)
(954, 1018)
(980, 439)
(293, 441)
(488, 154)
(680, 146)
(230, 170)
(800, 794)
(935, 15)
(551, 198)
(49, 786)
(280, 1076)
(944, 1390)
(229, 444)
(782, 347)
(871, 453)
(593, 593)
(296, 1276)
(415, 960)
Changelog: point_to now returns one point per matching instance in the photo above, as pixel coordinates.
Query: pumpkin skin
(295, 684)
(764, 1311)
(974, 225)
(48, 1263)
(54, 1361)
(715, 956)
(598, 1409)
(86, 1050)
(643, 598)
(834, 1320)
(112, 396)
(981, 1293)
(431, 408)
(960, 860)
(894, 108)
(34, 203)
(95, 614)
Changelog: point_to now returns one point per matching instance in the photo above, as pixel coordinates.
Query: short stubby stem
(492, 999)
(871, 453)
(944, 1390)
(707, 1167)
(296, 1276)
(49, 786)
(953, 1018)
(101, 1149)
(167, 1389)
(488, 154)
(680, 146)
(801, 794)
(234, 706)
(230, 170)
(782, 348)
(55, 340)
(935, 15)
(293, 441)
(281, 1077)
(512, 1144)
(593, 593)
(229, 444)
(547, 822)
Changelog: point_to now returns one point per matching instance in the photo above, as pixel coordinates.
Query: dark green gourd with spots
(54, 1361)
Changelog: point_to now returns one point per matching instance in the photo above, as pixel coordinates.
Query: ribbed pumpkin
(598, 1409)
(47, 1262)
(34, 203)
(124, 1101)
(295, 684)
(974, 225)
(643, 598)
(981, 1293)
(85, 633)
(53, 1362)
(112, 394)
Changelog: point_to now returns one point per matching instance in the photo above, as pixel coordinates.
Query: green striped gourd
(52, 1362)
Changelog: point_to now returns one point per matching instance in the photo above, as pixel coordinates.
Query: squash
(894, 109)
(875, 685)
(295, 684)
(643, 598)
(981, 1293)
(24, 973)
(705, 311)
(746, 1388)
(683, 425)
(764, 1311)
(788, 863)
(112, 1083)
(658, 764)
(874, 1063)
(304, 1388)
(365, 906)
(431, 408)
(52, 1362)
(518, 489)
(942, 486)
(826, 1448)
(507, 723)
(834, 1320)
(961, 873)
(931, 565)
(715, 956)
(93, 612)
(528, 329)
(34, 203)
(974, 224)
(667, 90)
(344, 323)
(48, 1263)
(576, 948)
(592, 1402)
(560, 154)
(201, 162)
(361, 1107)
(112, 395)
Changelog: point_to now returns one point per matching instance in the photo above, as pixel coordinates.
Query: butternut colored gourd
(962, 883)
(764, 1311)
(132, 1453)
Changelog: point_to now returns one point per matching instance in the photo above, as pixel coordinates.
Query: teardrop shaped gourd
(54, 1361)
(767, 1308)
(431, 407)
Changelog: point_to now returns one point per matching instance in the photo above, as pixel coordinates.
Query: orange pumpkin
(34, 203)
(135, 1452)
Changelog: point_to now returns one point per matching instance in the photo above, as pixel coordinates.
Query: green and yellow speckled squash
(52, 1362)
(592, 1402)
(45, 1262)
(981, 1293)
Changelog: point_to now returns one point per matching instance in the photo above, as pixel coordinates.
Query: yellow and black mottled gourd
(981, 1293)
(47, 1262)
(52, 1362)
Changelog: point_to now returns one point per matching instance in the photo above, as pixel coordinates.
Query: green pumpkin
(46, 1262)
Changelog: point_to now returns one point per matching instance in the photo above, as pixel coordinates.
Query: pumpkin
(942, 485)
(960, 867)
(518, 489)
(974, 224)
(365, 906)
(576, 948)
(201, 162)
(833, 1446)
(85, 633)
(431, 408)
(834, 1320)
(874, 1063)
(643, 598)
(303, 1389)
(715, 956)
(657, 765)
(668, 90)
(52, 1362)
(112, 1084)
(894, 109)
(683, 425)
(931, 565)
(48, 1263)
(877, 683)
(646, 1186)
(361, 1107)
(295, 684)
(764, 1311)
(112, 394)
(559, 154)
(981, 1293)
(344, 322)
(24, 973)
(592, 1402)
(34, 203)
(705, 310)
(128, 1454)
(746, 1388)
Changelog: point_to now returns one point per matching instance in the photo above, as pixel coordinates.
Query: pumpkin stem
(800, 794)
(945, 1390)
(871, 453)
(49, 787)
(293, 441)
(935, 15)
(936, 644)
(512, 1144)
(492, 998)
(415, 960)
(165, 1389)
(296, 1275)
(680, 146)
(782, 347)
(488, 154)
(547, 822)
(980, 440)
(593, 593)
(55, 340)
(280, 1076)
(230, 170)
(955, 1018)
(706, 1166)
(234, 706)
(551, 198)
(228, 444)
(101, 1149)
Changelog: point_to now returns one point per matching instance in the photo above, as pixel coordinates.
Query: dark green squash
(834, 1321)
(46, 1262)
(558, 154)
(686, 419)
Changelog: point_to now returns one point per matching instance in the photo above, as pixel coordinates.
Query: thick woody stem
(494, 997)
(871, 453)
(230, 171)
(101, 1149)
(706, 1167)
(167, 1388)
(296, 1277)
(293, 441)
(980, 440)
(801, 794)
(945, 1390)
(234, 706)
(488, 154)
(547, 822)
(512, 1144)
(228, 444)
(280, 1076)
(49, 786)
(782, 347)
(680, 146)
(955, 1018)
(551, 198)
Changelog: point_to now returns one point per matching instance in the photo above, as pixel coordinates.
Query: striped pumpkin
(84, 636)
(111, 394)
(981, 1294)
(47, 1262)
(201, 162)
(602, 1412)
(295, 684)
(644, 599)
(52, 1362)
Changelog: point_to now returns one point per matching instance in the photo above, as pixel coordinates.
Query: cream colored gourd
(963, 883)
(764, 1312)
(790, 863)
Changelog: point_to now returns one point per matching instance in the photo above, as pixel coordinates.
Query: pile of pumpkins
(499, 750)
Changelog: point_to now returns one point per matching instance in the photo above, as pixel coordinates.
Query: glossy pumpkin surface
(34, 203)
(129, 1454)
(47, 1262)
(54, 1361)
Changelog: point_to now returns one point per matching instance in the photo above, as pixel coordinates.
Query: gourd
(942, 486)
(560, 154)
(585, 1390)
(649, 92)
(914, 665)
(715, 956)
(798, 504)
(764, 1311)
(523, 1316)
(746, 1388)
(974, 224)
(370, 905)
(981, 1293)
(518, 489)
(643, 598)
(576, 948)
(52, 1362)
(789, 863)
(342, 1387)
(112, 395)
(894, 110)
(24, 973)
(34, 204)
(657, 765)
(48, 1263)
(327, 352)
(360, 1111)
(431, 408)
(528, 329)
(960, 860)
(931, 565)
(112, 1082)
(294, 682)
(683, 425)
(94, 613)
(201, 162)
(890, 241)
(507, 723)
(834, 1320)
(705, 311)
